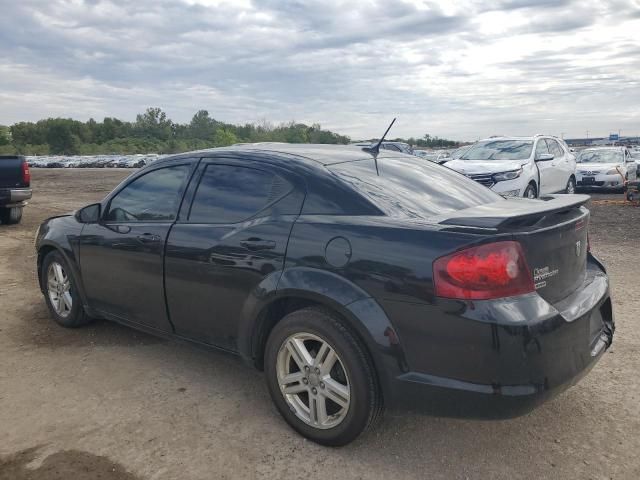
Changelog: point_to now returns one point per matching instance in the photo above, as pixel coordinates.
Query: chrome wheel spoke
(66, 298)
(299, 353)
(59, 273)
(336, 392)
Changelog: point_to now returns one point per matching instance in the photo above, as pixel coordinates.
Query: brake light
(494, 270)
(26, 174)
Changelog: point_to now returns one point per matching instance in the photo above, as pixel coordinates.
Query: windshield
(599, 156)
(499, 150)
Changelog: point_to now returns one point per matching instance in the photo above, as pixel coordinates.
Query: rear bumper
(502, 359)
(14, 197)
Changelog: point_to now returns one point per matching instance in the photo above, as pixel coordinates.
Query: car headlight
(500, 177)
(613, 171)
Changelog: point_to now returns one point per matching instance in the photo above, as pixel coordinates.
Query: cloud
(455, 69)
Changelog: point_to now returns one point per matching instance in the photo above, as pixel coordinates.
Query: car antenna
(376, 149)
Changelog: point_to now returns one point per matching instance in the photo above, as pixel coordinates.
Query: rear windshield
(499, 150)
(412, 187)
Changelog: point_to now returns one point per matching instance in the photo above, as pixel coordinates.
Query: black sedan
(356, 281)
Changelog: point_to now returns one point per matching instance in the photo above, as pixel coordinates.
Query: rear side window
(231, 194)
(413, 187)
(390, 146)
(153, 197)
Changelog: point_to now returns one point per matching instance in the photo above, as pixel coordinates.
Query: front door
(546, 169)
(232, 241)
(121, 257)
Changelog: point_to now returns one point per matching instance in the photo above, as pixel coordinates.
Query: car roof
(322, 154)
(531, 137)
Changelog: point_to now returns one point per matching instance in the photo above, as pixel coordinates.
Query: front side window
(541, 148)
(231, 194)
(153, 197)
(499, 150)
(555, 148)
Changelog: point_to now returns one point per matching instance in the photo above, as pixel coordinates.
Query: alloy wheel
(313, 380)
(59, 289)
(571, 186)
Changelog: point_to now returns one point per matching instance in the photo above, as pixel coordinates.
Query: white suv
(520, 166)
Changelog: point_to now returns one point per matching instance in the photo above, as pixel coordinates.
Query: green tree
(5, 135)
(154, 123)
(223, 138)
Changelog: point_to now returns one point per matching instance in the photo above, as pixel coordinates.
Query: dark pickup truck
(15, 187)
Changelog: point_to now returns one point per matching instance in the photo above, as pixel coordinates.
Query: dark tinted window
(554, 148)
(412, 187)
(230, 194)
(390, 146)
(541, 148)
(152, 197)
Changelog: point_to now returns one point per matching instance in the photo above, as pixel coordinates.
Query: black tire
(10, 216)
(530, 191)
(76, 316)
(571, 186)
(365, 405)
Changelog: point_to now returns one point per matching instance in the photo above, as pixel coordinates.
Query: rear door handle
(256, 244)
(148, 238)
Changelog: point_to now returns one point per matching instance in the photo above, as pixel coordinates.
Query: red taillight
(494, 270)
(26, 174)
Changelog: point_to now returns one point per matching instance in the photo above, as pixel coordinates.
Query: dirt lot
(106, 402)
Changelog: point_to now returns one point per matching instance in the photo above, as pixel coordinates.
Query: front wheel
(571, 186)
(60, 292)
(530, 191)
(10, 216)
(320, 378)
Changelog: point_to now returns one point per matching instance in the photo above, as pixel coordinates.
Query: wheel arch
(44, 249)
(359, 312)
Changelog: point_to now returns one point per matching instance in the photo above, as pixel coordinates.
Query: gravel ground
(107, 402)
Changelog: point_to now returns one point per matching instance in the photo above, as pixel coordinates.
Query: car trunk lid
(552, 232)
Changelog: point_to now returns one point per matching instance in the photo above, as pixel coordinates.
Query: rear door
(230, 240)
(548, 180)
(121, 258)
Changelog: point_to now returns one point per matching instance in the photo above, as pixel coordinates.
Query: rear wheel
(530, 191)
(10, 216)
(60, 292)
(320, 378)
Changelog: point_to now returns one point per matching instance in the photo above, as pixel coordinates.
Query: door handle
(256, 244)
(148, 238)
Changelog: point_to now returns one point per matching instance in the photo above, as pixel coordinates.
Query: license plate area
(589, 180)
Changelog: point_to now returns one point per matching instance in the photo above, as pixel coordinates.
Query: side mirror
(545, 157)
(89, 214)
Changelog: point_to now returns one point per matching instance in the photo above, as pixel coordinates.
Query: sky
(456, 69)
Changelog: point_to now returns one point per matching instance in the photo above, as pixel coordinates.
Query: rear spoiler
(514, 210)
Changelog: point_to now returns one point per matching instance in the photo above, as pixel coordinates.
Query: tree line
(154, 132)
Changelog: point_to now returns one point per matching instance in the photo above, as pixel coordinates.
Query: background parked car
(520, 166)
(15, 187)
(605, 167)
